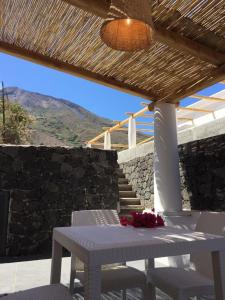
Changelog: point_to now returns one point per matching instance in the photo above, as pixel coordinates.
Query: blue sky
(101, 100)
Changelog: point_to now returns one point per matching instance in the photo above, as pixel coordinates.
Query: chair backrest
(208, 222)
(93, 217)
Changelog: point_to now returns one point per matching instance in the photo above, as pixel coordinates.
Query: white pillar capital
(167, 192)
(132, 135)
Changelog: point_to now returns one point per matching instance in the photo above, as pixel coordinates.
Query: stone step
(127, 194)
(125, 187)
(128, 216)
(127, 209)
(122, 181)
(119, 171)
(121, 176)
(129, 201)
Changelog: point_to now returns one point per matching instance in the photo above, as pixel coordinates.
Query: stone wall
(202, 170)
(46, 184)
(203, 173)
(139, 172)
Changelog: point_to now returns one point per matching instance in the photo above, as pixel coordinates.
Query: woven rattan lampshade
(128, 26)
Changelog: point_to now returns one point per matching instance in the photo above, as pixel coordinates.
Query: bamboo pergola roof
(188, 53)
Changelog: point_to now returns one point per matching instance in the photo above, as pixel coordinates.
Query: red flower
(137, 220)
(124, 221)
(148, 220)
(160, 221)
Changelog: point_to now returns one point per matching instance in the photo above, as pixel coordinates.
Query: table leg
(150, 264)
(56, 262)
(72, 272)
(218, 261)
(92, 283)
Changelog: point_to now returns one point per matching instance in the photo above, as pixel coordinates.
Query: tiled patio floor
(28, 274)
(23, 275)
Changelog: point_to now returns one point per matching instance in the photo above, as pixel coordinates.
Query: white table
(100, 245)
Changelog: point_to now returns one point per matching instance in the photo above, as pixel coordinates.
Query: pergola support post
(132, 133)
(107, 141)
(167, 194)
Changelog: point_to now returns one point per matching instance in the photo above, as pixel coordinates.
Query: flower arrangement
(145, 219)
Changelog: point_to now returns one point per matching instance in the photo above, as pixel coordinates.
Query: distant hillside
(59, 122)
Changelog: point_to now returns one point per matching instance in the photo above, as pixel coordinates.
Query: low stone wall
(202, 171)
(46, 184)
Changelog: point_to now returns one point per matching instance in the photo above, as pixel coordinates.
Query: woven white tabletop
(110, 243)
(100, 245)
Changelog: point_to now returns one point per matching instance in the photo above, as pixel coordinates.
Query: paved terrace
(28, 274)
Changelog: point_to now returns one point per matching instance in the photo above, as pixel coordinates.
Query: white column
(167, 194)
(107, 141)
(132, 136)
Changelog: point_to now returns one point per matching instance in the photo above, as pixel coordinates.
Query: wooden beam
(118, 129)
(142, 116)
(140, 112)
(189, 46)
(147, 140)
(96, 7)
(185, 119)
(145, 123)
(195, 109)
(210, 99)
(215, 76)
(170, 38)
(73, 70)
(126, 129)
(144, 104)
(149, 107)
(113, 145)
(118, 125)
(147, 116)
(138, 123)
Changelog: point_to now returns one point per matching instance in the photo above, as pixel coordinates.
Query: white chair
(115, 277)
(183, 284)
(49, 292)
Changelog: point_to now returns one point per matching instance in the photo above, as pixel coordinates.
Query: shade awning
(58, 34)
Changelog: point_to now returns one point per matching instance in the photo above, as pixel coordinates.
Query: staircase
(129, 201)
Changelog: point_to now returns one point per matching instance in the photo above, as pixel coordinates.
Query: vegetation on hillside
(60, 122)
(15, 124)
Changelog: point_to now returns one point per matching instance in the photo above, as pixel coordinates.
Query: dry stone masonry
(45, 184)
(202, 172)
(139, 173)
(41, 186)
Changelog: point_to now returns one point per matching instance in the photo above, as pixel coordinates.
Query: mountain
(59, 122)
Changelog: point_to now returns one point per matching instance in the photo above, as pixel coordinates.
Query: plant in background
(15, 123)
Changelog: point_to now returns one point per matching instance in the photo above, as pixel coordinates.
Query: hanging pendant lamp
(129, 25)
